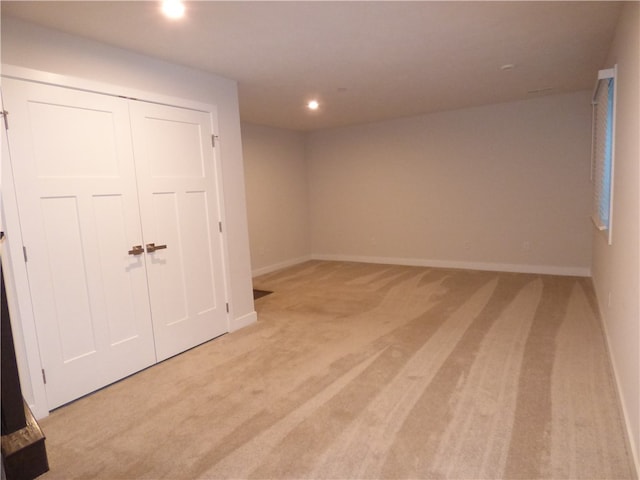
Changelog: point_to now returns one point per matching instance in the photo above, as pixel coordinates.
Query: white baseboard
(279, 266)
(493, 267)
(243, 321)
(633, 446)
(38, 411)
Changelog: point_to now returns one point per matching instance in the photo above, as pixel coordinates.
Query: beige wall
(616, 267)
(277, 197)
(501, 187)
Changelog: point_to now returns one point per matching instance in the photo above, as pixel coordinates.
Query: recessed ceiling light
(173, 9)
(507, 66)
(313, 105)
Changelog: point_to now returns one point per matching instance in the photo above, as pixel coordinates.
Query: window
(602, 149)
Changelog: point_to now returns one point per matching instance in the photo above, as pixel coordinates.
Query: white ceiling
(364, 61)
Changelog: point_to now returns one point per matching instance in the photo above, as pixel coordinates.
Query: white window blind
(602, 149)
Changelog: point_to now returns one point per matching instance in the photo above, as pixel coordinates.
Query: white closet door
(176, 171)
(75, 180)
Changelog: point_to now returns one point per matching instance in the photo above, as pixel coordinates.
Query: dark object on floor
(24, 456)
(260, 293)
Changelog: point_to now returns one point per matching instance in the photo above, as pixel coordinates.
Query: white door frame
(19, 295)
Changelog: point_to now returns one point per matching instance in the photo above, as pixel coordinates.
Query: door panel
(176, 171)
(62, 134)
(68, 271)
(175, 140)
(120, 301)
(75, 182)
(202, 293)
(166, 265)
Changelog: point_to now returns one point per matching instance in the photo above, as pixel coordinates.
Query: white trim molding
(492, 267)
(279, 266)
(243, 321)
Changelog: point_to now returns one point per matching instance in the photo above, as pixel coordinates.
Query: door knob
(152, 247)
(136, 250)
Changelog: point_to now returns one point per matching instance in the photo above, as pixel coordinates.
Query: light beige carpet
(369, 371)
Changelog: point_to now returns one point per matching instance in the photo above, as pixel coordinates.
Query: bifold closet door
(119, 213)
(177, 170)
(77, 198)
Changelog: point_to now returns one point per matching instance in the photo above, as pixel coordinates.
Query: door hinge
(5, 115)
(213, 139)
(220, 226)
(44, 376)
(24, 253)
(227, 304)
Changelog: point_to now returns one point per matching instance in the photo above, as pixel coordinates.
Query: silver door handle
(152, 247)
